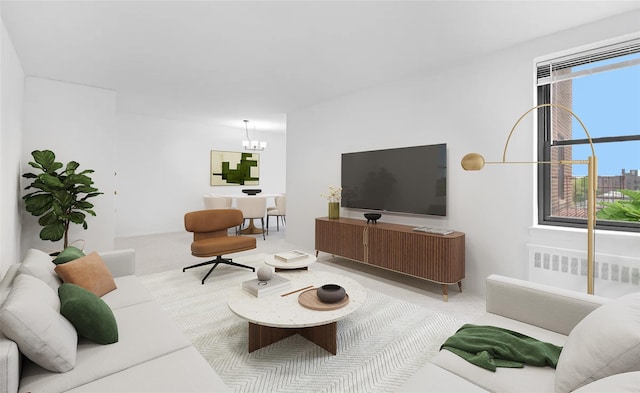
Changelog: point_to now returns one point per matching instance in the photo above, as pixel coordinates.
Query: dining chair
(217, 202)
(253, 207)
(279, 211)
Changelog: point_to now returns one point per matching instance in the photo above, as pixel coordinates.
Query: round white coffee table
(281, 265)
(275, 317)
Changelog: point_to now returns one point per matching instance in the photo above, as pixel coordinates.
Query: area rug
(379, 346)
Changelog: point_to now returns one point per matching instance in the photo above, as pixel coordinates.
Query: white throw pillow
(606, 342)
(39, 265)
(31, 317)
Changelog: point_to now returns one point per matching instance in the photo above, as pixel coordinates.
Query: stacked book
(290, 256)
(259, 288)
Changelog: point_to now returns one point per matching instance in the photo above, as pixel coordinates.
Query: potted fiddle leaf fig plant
(60, 195)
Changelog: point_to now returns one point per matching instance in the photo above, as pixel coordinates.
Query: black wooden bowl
(331, 293)
(373, 217)
(252, 191)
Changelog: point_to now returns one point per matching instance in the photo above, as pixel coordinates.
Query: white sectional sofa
(600, 339)
(151, 355)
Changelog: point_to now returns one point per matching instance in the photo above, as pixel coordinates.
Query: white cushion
(184, 370)
(604, 343)
(432, 378)
(145, 332)
(39, 265)
(129, 292)
(10, 361)
(529, 379)
(31, 317)
(10, 358)
(619, 383)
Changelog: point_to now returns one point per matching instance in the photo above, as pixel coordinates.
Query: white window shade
(563, 68)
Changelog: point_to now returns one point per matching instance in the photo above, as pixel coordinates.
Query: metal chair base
(216, 262)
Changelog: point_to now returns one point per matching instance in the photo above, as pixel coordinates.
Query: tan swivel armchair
(279, 211)
(211, 238)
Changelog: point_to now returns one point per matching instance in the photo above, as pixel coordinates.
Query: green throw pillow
(68, 254)
(89, 314)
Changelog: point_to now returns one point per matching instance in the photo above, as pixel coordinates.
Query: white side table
(281, 265)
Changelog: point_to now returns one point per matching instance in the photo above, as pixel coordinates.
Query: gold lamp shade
(472, 162)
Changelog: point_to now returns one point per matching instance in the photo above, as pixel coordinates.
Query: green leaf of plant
(51, 181)
(36, 165)
(57, 209)
(47, 219)
(88, 190)
(55, 166)
(45, 158)
(622, 210)
(633, 195)
(53, 232)
(64, 198)
(77, 217)
(78, 179)
(630, 211)
(38, 204)
(84, 205)
(71, 167)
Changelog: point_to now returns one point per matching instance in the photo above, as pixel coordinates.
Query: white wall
(163, 170)
(469, 106)
(12, 88)
(77, 123)
(151, 170)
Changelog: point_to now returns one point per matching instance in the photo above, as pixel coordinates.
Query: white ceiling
(216, 62)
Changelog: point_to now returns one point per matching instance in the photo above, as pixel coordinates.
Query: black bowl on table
(331, 293)
(252, 191)
(373, 217)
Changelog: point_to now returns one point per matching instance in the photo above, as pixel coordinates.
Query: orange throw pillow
(88, 272)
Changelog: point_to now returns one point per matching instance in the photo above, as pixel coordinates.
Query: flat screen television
(403, 180)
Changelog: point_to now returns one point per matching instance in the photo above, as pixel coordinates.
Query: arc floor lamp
(475, 162)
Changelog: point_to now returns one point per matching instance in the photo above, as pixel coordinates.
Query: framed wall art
(232, 168)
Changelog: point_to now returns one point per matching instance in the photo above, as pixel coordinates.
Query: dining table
(252, 229)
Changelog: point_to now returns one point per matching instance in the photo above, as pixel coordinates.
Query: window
(602, 87)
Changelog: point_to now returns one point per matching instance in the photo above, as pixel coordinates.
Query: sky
(608, 103)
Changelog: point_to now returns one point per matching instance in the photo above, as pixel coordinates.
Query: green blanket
(490, 347)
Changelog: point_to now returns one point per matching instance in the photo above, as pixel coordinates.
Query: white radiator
(614, 275)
